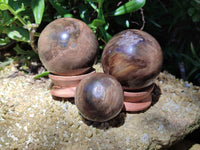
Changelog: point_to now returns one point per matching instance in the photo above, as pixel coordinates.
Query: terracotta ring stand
(139, 100)
(65, 86)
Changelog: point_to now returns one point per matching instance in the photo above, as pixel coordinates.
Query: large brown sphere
(134, 57)
(67, 46)
(99, 97)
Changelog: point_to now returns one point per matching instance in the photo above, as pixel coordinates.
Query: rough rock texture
(195, 147)
(31, 119)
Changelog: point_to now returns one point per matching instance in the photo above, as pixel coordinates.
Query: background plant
(22, 18)
(16, 25)
(176, 24)
(173, 23)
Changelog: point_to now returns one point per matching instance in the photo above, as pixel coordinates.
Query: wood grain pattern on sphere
(134, 57)
(99, 97)
(67, 46)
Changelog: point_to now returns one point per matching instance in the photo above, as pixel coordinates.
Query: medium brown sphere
(99, 97)
(67, 46)
(134, 57)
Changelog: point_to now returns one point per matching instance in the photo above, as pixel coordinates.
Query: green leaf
(108, 36)
(100, 10)
(196, 17)
(195, 55)
(191, 73)
(191, 11)
(128, 7)
(68, 15)
(4, 41)
(192, 49)
(16, 6)
(44, 74)
(122, 21)
(84, 13)
(25, 53)
(197, 1)
(18, 34)
(191, 60)
(6, 17)
(197, 75)
(22, 8)
(104, 34)
(127, 24)
(155, 23)
(91, 0)
(93, 5)
(98, 23)
(59, 8)
(4, 1)
(4, 6)
(38, 10)
(10, 21)
(106, 27)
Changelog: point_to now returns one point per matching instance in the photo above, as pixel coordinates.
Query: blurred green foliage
(175, 24)
(19, 16)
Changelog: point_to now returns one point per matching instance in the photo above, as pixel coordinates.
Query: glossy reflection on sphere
(99, 97)
(67, 46)
(134, 57)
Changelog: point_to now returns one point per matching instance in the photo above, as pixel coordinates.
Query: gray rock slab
(30, 118)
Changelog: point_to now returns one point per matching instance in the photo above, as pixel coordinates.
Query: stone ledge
(30, 118)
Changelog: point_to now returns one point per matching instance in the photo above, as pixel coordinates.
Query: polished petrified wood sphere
(67, 46)
(134, 57)
(99, 97)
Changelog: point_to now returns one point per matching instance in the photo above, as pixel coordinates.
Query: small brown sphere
(67, 46)
(134, 57)
(99, 97)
